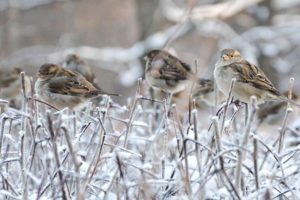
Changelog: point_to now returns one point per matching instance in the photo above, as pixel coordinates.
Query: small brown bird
(166, 72)
(10, 83)
(250, 79)
(74, 63)
(64, 88)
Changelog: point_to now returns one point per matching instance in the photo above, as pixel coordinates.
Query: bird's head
(155, 54)
(17, 71)
(230, 54)
(72, 58)
(48, 71)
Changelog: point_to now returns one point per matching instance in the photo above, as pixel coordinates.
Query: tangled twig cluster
(141, 151)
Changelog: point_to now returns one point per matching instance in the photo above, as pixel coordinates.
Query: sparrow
(10, 83)
(74, 63)
(250, 79)
(165, 72)
(62, 88)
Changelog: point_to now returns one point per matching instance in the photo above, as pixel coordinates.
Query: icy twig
(122, 175)
(187, 174)
(131, 114)
(94, 162)
(219, 149)
(194, 113)
(43, 102)
(22, 136)
(227, 105)
(244, 142)
(284, 122)
(3, 120)
(56, 155)
(255, 161)
(165, 137)
(74, 160)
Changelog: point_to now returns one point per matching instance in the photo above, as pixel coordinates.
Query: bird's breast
(223, 77)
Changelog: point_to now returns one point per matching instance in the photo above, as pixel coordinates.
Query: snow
(152, 163)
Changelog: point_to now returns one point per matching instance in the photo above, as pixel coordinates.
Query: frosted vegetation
(143, 150)
(148, 149)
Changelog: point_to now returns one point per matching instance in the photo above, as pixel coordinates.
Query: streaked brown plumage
(64, 88)
(166, 72)
(250, 79)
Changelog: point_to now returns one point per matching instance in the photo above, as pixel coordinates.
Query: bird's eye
(226, 57)
(47, 73)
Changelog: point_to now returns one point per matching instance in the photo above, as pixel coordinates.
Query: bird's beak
(225, 57)
(145, 58)
(236, 54)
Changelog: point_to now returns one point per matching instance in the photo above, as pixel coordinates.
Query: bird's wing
(69, 86)
(174, 70)
(251, 74)
(186, 66)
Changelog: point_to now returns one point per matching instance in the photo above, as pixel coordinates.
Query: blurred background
(113, 35)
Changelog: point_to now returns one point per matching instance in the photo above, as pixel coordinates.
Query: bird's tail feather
(283, 98)
(97, 93)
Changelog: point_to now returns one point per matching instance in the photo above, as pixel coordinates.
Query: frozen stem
(194, 114)
(255, 162)
(284, 122)
(96, 158)
(131, 114)
(56, 156)
(226, 105)
(244, 142)
(3, 120)
(22, 136)
(222, 165)
(74, 160)
(187, 174)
